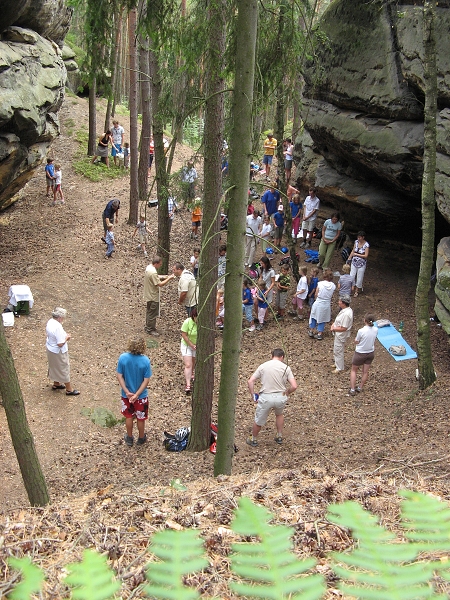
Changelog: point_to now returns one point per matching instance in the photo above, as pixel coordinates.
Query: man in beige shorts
(277, 382)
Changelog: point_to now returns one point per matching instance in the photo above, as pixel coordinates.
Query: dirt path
(57, 252)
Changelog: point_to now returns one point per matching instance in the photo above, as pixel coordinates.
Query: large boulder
(363, 115)
(442, 287)
(32, 81)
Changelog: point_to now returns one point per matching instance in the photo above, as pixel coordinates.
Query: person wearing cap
(270, 144)
(111, 210)
(278, 219)
(341, 331)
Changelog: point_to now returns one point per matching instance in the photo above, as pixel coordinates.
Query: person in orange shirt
(196, 218)
(270, 145)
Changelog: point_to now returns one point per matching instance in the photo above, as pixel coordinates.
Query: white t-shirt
(309, 205)
(55, 335)
(266, 229)
(58, 176)
(302, 285)
(331, 229)
(289, 152)
(326, 290)
(253, 225)
(117, 133)
(366, 339)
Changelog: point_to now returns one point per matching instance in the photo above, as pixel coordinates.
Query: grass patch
(99, 172)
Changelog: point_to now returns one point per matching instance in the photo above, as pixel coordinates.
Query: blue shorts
(248, 312)
(114, 152)
(267, 160)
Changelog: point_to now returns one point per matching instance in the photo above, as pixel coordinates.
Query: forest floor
(390, 435)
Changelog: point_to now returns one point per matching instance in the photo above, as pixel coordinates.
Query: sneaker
(292, 313)
(251, 441)
(141, 440)
(252, 328)
(259, 327)
(187, 391)
(358, 389)
(303, 244)
(279, 438)
(138, 246)
(145, 254)
(352, 392)
(318, 336)
(310, 333)
(128, 440)
(336, 371)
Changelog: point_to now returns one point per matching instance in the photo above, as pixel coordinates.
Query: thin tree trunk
(134, 192)
(92, 139)
(114, 67)
(426, 369)
(146, 128)
(240, 156)
(199, 438)
(21, 436)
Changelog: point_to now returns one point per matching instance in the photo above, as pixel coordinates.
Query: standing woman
(58, 353)
(188, 348)
(321, 309)
(102, 148)
(331, 230)
(358, 258)
(266, 274)
(364, 353)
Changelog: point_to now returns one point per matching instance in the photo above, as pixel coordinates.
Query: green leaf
(271, 560)
(32, 578)
(426, 520)
(91, 579)
(182, 553)
(177, 484)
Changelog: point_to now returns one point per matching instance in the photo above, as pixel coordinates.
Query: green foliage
(381, 566)
(181, 553)
(101, 416)
(271, 561)
(32, 578)
(91, 578)
(98, 172)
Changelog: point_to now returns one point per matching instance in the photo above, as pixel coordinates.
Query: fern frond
(91, 578)
(381, 567)
(182, 553)
(426, 520)
(32, 578)
(270, 561)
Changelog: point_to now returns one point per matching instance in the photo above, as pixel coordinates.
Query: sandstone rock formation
(442, 288)
(32, 80)
(363, 115)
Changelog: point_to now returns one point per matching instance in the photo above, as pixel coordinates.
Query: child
(262, 304)
(220, 310)
(278, 218)
(247, 303)
(346, 284)
(222, 265)
(265, 233)
(312, 286)
(126, 155)
(196, 218)
(301, 293)
(110, 243)
(283, 283)
(50, 176)
(143, 238)
(57, 189)
(194, 261)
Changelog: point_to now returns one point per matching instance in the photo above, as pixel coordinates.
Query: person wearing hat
(111, 210)
(270, 145)
(278, 219)
(341, 331)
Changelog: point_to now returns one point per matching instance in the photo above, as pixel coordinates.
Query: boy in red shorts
(134, 372)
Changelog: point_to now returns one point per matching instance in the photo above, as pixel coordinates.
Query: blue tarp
(389, 336)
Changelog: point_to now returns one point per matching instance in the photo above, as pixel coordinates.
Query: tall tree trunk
(21, 436)
(114, 67)
(134, 193)
(162, 179)
(146, 128)
(199, 438)
(92, 138)
(240, 156)
(426, 368)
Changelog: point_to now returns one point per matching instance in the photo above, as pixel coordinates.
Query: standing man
(187, 287)
(111, 211)
(152, 284)
(134, 372)
(270, 145)
(270, 201)
(251, 239)
(310, 210)
(277, 382)
(117, 133)
(341, 330)
(189, 177)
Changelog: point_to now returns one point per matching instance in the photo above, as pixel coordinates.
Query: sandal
(73, 393)
(58, 387)
(355, 295)
(188, 391)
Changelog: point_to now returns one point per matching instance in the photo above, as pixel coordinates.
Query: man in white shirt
(187, 287)
(310, 209)
(117, 132)
(251, 239)
(341, 330)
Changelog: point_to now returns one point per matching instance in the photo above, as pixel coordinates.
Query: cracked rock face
(363, 115)
(32, 80)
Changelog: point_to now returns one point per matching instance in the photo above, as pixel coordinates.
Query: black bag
(345, 253)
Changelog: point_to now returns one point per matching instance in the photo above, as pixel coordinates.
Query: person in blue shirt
(296, 214)
(278, 219)
(50, 176)
(270, 200)
(134, 372)
(111, 211)
(247, 303)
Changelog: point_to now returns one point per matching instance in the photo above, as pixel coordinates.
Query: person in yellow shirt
(270, 145)
(196, 218)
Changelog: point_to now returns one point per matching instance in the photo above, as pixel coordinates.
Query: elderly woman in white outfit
(58, 353)
(358, 258)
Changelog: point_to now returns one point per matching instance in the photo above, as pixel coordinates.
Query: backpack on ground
(178, 441)
(345, 253)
